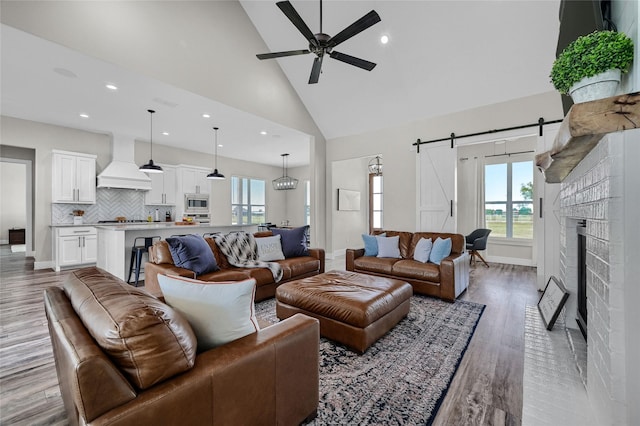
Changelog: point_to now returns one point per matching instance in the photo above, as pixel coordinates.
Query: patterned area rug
(404, 376)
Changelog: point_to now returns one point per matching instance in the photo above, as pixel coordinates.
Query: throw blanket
(241, 251)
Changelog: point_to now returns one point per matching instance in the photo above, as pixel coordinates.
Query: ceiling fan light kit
(285, 182)
(322, 44)
(150, 167)
(215, 175)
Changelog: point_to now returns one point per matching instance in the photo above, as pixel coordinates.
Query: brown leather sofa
(446, 281)
(123, 357)
(161, 262)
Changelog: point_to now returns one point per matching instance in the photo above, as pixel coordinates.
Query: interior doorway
(16, 204)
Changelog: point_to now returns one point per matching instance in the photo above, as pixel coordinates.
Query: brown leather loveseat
(123, 357)
(161, 262)
(446, 281)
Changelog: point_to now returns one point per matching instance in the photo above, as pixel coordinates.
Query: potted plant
(589, 68)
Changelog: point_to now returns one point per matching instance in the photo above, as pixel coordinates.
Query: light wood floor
(487, 389)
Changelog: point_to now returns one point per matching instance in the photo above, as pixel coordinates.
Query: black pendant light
(285, 182)
(215, 174)
(150, 167)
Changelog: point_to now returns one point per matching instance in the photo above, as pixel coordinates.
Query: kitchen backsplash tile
(110, 203)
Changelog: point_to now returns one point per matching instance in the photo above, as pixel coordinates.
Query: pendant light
(375, 166)
(285, 182)
(215, 174)
(150, 167)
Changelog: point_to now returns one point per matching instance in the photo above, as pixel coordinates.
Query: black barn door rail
(453, 136)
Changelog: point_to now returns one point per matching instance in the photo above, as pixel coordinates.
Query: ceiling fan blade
(352, 60)
(315, 71)
(288, 9)
(357, 27)
(281, 54)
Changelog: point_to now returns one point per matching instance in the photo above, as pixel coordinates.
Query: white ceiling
(32, 89)
(443, 57)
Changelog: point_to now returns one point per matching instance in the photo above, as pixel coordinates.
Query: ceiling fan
(322, 43)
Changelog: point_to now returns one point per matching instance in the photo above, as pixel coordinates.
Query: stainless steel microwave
(196, 203)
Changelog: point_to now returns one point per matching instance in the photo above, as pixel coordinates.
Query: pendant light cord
(216, 149)
(151, 112)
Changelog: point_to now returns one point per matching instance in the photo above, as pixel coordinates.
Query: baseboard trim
(43, 265)
(510, 260)
(337, 253)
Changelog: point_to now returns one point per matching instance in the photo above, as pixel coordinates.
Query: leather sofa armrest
(351, 256)
(319, 254)
(268, 377)
(448, 277)
(151, 271)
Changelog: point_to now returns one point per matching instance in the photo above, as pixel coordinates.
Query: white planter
(599, 86)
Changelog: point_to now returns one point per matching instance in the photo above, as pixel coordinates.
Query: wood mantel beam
(581, 130)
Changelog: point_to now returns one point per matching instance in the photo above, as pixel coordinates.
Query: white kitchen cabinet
(75, 246)
(163, 187)
(193, 180)
(73, 177)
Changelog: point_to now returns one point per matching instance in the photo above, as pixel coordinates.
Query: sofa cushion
(407, 268)
(269, 248)
(423, 250)
(441, 249)
(294, 241)
(221, 259)
(457, 240)
(192, 252)
(404, 243)
(374, 264)
(218, 312)
(388, 247)
(161, 253)
(371, 244)
(147, 339)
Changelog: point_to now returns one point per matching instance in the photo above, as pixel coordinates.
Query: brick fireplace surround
(604, 190)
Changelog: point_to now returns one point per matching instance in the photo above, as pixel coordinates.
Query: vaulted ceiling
(442, 57)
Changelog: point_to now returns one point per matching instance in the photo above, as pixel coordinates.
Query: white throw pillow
(219, 312)
(388, 247)
(269, 248)
(423, 250)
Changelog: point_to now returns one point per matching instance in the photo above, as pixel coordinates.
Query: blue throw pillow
(371, 244)
(294, 241)
(441, 249)
(192, 252)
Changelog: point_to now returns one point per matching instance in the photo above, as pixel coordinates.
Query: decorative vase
(599, 86)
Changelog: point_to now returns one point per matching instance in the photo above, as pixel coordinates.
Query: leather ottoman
(353, 309)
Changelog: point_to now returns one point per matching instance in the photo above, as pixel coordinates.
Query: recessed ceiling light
(83, 115)
(206, 115)
(111, 86)
(384, 39)
(263, 132)
(165, 133)
(220, 145)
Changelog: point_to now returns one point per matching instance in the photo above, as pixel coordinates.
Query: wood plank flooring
(487, 389)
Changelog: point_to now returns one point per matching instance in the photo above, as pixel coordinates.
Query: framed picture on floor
(552, 300)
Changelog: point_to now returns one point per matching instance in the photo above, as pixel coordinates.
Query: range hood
(123, 172)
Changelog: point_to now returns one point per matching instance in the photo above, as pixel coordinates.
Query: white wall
(348, 226)
(395, 146)
(13, 199)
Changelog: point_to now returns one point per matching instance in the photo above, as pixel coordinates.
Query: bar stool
(136, 254)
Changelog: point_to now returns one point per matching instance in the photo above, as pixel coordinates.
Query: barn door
(436, 188)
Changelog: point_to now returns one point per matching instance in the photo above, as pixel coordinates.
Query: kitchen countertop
(139, 225)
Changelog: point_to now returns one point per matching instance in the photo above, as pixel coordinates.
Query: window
(247, 201)
(307, 202)
(509, 198)
(375, 202)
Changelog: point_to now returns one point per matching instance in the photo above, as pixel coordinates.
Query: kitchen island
(115, 241)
